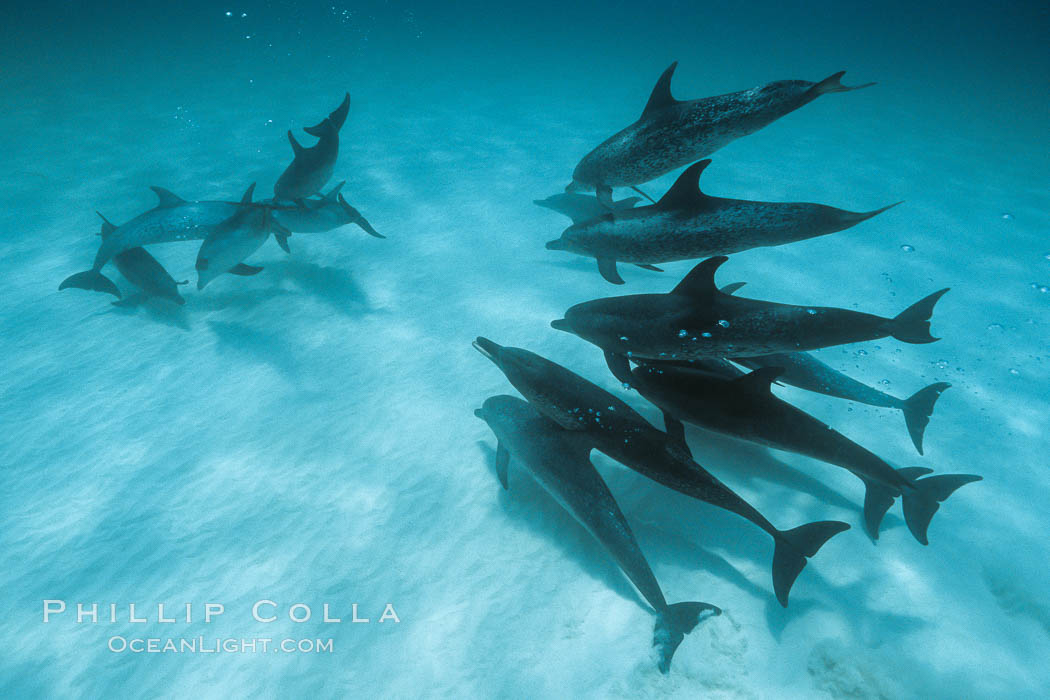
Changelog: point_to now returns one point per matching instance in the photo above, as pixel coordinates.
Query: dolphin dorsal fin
(660, 97)
(333, 194)
(700, 282)
(759, 380)
(107, 225)
(167, 198)
(247, 198)
(297, 147)
(685, 192)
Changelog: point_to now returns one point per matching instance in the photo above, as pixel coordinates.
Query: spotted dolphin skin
(698, 321)
(145, 272)
(317, 215)
(687, 224)
(672, 133)
(173, 219)
(620, 432)
(312, 167)
(560, 461)
(745, 408)
(232, 241)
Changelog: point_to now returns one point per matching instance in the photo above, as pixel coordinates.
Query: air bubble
(683, 333)
(1008, 216)
(705, 334)
(724, 323)
(1015, 372)
(908, 248)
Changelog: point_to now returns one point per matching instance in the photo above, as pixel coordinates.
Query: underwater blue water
(307, 435)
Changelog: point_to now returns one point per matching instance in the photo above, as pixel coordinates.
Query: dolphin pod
(230, 231)
(560, 461)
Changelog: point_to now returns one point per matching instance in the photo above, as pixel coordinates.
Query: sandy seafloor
(307, 435)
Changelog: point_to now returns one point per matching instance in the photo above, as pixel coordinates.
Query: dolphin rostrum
(622, 433)
(322, 214)
(746, 408)
(560, 461)
(687, 224)
(697, 320)
(312, 167)
(671, 133)
(229, 243)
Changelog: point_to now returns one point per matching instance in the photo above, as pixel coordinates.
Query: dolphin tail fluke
(918, 408)
(334, 120)
(922, 502)
(913, 324)
(355, 217)
(833, 83)
(93, 280)
(878, 499)
(793, 549)
(673, 624)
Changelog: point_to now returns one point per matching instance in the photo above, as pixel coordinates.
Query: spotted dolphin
(696, 320)
(622, 433)
(687, 224)
(145, 272)
(560, 461)
(312, 167)
(315, 215)
(672, 133)
(746, 408)
(173, 219)
(582, 207)
(232, 241)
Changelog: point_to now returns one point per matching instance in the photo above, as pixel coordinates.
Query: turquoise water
(306, 435)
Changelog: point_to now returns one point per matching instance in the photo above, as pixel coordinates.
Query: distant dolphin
(745, 408)
(622, 433)
(173, 219)
(560, 461)
(232, 241)
(696, 320)
(687, 224)
(324, 214)
(312, 167)
(671, 133)
(582, 207)
(804, 371)
(142, 270)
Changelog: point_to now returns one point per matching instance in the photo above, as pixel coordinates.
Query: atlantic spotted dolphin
(582, 207)
(320, 214)
(620, 432)
(312, 167)
(145, 272)
(804, 371)
(687, 224)
(746, 408)
(697, 320)
(232, 241)
(560, 461)
(173, 219)
(672, 133)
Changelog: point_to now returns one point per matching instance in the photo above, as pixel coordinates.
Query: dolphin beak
(561, 325)
(479, 414)
(488, 348)
(554, 245)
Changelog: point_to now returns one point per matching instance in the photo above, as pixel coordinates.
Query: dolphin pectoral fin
(675, 430)
(92, 280)
(282, 240)
(604, 195)
(607, 268)
(877, 500)
(244, 270)
(502, 462)
(832, 84)
(107, 226)
(673, 624)
(917, 410)
(639, 192)
(646, 266)
(619, 366)
(297, 147)
(794, 548)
